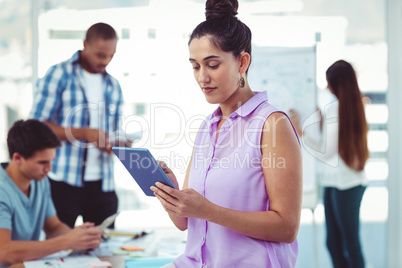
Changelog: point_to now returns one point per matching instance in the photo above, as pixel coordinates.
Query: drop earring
(241, 82)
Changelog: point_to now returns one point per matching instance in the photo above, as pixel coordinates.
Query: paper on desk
(115, 239)
(106, 248)
(57, 255)
(67, 262)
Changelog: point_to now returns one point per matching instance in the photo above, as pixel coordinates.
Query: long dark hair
(227, 32)
(352, 140)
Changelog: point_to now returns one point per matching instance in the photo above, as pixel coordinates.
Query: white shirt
(335, 172)
(94, 92)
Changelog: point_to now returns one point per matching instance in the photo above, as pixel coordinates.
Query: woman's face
(216, 71)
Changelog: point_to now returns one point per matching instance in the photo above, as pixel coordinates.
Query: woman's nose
(203, 76)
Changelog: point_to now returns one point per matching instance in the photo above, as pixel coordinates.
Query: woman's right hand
(177, 219)
(187, 203)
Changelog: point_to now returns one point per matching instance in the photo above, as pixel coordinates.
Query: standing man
(26, 206)
(82, 103)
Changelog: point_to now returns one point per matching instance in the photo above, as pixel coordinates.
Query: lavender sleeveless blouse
(228, 172)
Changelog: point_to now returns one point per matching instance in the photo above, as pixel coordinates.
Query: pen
(140, 235)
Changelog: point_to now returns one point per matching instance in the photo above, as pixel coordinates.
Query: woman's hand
(169, 173)
(179, 221)
(186, 203)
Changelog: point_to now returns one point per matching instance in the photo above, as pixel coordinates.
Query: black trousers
(89, 202)
(342, 213)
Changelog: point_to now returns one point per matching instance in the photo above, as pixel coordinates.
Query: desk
(159, 243)
(116, 261)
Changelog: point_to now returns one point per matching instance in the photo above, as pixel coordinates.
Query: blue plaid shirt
(60, 99)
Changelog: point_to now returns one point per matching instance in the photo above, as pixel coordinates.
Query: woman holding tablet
(242, 194)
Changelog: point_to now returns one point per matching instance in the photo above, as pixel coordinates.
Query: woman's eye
(195, 66)
(214, 66)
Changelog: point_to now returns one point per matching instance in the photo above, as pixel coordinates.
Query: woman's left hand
(185, 203)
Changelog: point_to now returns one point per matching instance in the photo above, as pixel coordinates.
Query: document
(67, 262)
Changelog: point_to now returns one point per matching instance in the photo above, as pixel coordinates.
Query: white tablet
(108, 221)
(120, 136)
(143, 167)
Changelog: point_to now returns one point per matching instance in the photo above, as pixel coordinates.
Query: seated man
(26, 206)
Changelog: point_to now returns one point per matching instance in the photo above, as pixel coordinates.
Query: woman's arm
(327, 147)
(283, 184)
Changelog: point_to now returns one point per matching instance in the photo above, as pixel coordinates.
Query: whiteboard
(288, 74)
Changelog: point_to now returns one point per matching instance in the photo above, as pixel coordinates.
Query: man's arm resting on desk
(79, 238)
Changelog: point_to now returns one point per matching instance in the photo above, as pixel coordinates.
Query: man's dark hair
(100, 30)
(27, 137)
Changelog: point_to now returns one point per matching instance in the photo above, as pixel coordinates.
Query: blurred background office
(162, 98)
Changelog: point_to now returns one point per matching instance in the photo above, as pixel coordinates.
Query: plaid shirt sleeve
(119, 121)
(47, 94)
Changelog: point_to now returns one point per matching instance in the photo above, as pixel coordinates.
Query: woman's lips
(208, 90)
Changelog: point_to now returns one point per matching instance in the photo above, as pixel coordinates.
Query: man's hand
(99, 138)
(84, 237)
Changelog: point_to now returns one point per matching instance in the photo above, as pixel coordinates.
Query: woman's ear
(244, 62)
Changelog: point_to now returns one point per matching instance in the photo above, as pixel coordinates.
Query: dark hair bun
(215, 9)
